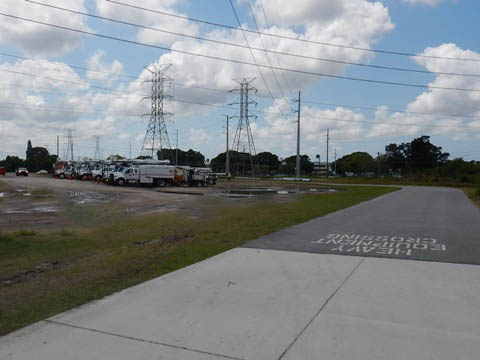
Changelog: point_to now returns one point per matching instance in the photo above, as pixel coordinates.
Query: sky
(53, 79)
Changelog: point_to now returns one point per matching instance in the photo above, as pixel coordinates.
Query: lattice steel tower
(243, 139)
(156, 137)
(97, 149)
(69, 151)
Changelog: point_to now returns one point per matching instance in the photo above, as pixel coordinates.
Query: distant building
(320, 168)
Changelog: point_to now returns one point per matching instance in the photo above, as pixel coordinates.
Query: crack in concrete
(321, 308)
(143, 340)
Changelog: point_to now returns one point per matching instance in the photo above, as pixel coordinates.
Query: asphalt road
(416, 223)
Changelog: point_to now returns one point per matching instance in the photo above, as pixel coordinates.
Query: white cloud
(37, 39)
(150, 19)
(440, 101)
(278, 133)
(431, 3)
(98, 70)
(198, 136)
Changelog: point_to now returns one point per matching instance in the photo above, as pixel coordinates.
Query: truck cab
(65, 171)
(130, 175)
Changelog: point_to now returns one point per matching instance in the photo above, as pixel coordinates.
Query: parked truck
(144, 174)
(64, 170)
(191, 176)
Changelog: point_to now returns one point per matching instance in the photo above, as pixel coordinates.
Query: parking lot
(41, 201)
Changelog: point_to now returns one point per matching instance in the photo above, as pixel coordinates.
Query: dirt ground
(42, 202)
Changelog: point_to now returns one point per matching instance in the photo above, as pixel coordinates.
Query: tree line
(418, 159)
(37, 158)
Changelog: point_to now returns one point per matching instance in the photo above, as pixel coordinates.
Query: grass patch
(473, 194)
(44, 273)
(428, 181)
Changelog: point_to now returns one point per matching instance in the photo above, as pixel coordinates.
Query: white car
(21, 171)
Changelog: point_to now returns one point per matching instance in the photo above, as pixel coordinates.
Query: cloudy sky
(54, 79)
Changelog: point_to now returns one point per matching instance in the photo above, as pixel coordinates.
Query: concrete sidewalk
(267, 304)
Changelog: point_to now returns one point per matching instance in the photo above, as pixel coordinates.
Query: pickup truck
(21, 171)
(2, 171)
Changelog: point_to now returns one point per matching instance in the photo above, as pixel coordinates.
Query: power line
(388, 110)
(273, 46)
(400, 53)
(263, 49)
(266, 96)
(253, 57)
(59, 80)
(256, 111)
(64, 64)
(59, 109)
(258, 94)
(240, 61)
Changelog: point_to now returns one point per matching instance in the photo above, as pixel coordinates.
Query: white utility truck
(65, 171)
(192, 176)
(154, 175)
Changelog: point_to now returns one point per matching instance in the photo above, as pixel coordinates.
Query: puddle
(249, 192)
(24, 192)
(87, 197)
(35, 210)
(254, 191)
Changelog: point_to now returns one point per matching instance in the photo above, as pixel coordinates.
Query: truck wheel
(120, 182)
(97, 178)
(61, 176)
(161, 183)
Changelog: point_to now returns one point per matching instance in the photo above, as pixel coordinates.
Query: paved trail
(421, 223)
(314, 302)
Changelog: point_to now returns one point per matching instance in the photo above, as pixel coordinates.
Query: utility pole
(335, 164)
(58, 146)
(156, 136)
(227, 151)
(176, 150)
(297, 166)
(130, 150)
(328, 140)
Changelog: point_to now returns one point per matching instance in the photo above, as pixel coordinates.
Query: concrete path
(252, 303)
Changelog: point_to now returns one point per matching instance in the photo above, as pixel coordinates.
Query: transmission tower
(156, 136)
(243, 136)
(98, 155)
(69, 152)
